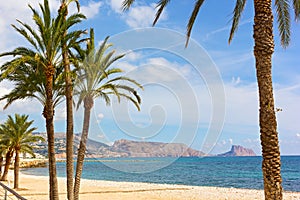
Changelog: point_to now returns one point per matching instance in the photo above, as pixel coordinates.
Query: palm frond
(283, 19)
(296, 5)
(104, 96)
(192, 19)
(114, 59)
(111, 87)
(103, 47)
(24, 34)
(161, 5)
(94, 74)
(108, 73)
(127, 4)
(237, 13)
(131, 90)
(123, 78)
(136, 103)
(46, 12)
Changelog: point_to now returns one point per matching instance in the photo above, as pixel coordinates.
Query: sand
(36, 188)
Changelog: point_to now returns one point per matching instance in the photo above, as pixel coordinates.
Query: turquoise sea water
(237, 172)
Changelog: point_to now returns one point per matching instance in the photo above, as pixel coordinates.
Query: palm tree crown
(17, 132)
(94, 72)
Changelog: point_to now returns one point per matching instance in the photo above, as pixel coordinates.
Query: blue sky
(182, 102)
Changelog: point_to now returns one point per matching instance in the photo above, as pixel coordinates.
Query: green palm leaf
(283, 19)
(296, 5)
(239, 8)
(192, 19)
(161, 6)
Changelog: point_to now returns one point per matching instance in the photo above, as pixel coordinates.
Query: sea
(229, 172)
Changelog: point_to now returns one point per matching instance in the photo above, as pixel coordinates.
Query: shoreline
(36, 188)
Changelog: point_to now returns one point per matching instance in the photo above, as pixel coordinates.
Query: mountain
(237, 150)
(120, 148)
(93, 147)
(154, 149)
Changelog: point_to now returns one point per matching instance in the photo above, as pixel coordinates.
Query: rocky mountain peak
(237, 150)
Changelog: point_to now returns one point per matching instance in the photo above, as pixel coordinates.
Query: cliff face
(153, 149)
(237, 150)
(121, 148)
(128, 148)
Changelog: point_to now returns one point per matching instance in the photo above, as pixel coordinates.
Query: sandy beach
(36, 188)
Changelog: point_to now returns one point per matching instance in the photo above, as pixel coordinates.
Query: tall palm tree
(93, 82)
(44, 53)
(18, 133)
(63, 11)
(263, 50)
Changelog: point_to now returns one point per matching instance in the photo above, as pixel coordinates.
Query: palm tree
(18, 134)
(94, 81)
(63, 11)
(2, 150)
(8, 151)
(1, 161)
(44, 53)
(263, 50)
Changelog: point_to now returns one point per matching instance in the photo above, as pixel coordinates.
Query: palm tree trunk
(69, 105)
(8, 157)
(16, 169)
(263, 50)
(1, 163)
(49, 115)
(88, 104)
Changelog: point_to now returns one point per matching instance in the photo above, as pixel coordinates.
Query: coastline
(36, 188)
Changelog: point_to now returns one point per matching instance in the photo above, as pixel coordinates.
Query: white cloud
(138, 16)
(241, 104)
(100, 116)
(116, 5)
(5, 88)
(9, 12)
(225, 142)
(298, 135)
(163, 70)
(16, 9)
(101, 136)
(132, 56)
(126, 67)
(60, 113)
(90, 10)
(19, 105)
(235, 81)
(287, 98)
(141, 16)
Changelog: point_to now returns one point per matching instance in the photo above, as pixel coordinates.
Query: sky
(204, 95)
